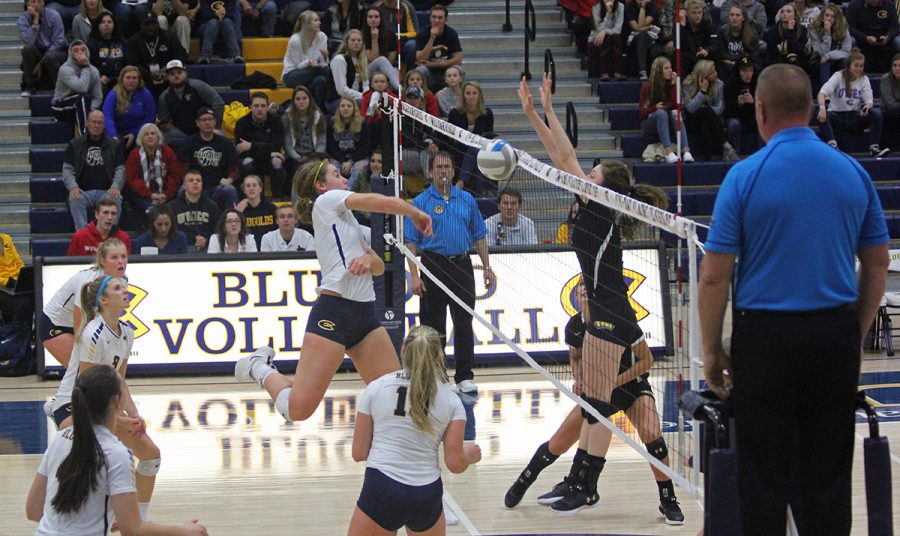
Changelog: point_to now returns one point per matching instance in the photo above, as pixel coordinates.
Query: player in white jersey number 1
(402, 418)
(343, 318)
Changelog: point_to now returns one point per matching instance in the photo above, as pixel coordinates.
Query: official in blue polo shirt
(795, 213)
(457, 226)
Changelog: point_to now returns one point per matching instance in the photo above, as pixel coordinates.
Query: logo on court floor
(327, 325)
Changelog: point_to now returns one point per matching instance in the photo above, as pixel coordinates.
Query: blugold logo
(439, 209)
(327, 325)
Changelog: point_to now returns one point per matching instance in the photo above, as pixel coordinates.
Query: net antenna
(681, 228)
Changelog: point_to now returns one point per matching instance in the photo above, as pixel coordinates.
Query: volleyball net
(528, 219)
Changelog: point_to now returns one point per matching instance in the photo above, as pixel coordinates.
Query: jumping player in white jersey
(86, 468)
(343, 318)
(61, 317)
(402, 418)
(105, 340)
(613, 330)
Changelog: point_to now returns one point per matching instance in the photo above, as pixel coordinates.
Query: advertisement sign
(213, 311)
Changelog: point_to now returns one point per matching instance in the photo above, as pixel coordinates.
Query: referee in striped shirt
(457, 226)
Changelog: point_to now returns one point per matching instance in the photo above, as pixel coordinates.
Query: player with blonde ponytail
(402, 418)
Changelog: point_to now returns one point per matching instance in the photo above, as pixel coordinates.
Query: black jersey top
(598, 244)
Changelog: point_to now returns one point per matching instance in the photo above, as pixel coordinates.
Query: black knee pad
(603, 408)
(658, 449)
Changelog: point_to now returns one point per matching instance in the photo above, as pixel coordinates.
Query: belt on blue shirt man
(453, 258)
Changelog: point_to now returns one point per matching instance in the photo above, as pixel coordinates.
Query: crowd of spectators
(718, 99)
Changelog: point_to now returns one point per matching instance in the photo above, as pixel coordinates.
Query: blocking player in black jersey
(613, 330)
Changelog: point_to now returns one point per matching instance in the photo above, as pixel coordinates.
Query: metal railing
(550, 67)
(572, 124)
(507, 26)
(530, 34)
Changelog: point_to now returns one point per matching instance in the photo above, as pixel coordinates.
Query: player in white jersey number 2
(402, 418)
(343, 318)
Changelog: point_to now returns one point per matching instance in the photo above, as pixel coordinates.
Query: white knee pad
(282, 403)
(148, 467)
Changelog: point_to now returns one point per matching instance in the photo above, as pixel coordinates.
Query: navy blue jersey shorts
(343, 321)
(46, 329)
(624, 397)
(393, 505)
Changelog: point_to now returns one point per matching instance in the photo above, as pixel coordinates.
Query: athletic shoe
(515, 492)
(577, 501)
(672, 512)
(619, 76)
(878, 152)
(48, 407)
(671, 158)
(243, 369)
(25, 94)
(687, 157)
(604, 77)
(467, 386)
(238, 59)
(203, 61)
(559, 491)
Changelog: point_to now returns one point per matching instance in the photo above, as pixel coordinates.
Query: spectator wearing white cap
(179, 104)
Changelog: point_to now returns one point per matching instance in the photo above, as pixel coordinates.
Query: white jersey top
(96, 514)
(838, 99)
(61, 307)
(339, 240)
(399, 449)
(301, 241)
(249, 245)
(98, 345)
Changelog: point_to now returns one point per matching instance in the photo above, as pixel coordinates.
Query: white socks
(261, 371)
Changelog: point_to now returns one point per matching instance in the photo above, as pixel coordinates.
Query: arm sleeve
(874, 228)
(725, 234)
(119, 471)
(888, 100)
(289, 149)
(57, 30)
(68, 168)
(213, 245)
(162, 109)
(109, 110)
(27, 33)
(718, 105)
(477, 228)
(149, 106)
(174, 173)
(118, 180)
(866, 91)
(365, 400)
(266, 244)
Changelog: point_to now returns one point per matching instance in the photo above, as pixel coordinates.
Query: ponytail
(78, 473)
(423, 358)
(617, 179)
(305, 180)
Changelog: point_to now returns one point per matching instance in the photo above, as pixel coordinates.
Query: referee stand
(390, 288)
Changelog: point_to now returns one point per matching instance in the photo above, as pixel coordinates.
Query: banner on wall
(195, 312)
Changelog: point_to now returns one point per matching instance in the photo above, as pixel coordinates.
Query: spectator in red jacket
(152, 171)
(86, 241)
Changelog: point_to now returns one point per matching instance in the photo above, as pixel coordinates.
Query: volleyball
(497, 160)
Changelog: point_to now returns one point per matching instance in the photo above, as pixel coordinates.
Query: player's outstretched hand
(547, 93)
(473, 452)
(422, 222)
(525, 97)
(194, 528)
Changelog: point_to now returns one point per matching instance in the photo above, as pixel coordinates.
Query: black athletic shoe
(515, 492)
(672, 512)
(575, 502)
(558, 492)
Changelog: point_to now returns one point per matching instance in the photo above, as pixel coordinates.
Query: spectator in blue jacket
(128, 107)
(44, 46)
(163, 234)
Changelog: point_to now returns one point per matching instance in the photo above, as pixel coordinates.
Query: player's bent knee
(148, 467)
(603, 408)
(658, 449)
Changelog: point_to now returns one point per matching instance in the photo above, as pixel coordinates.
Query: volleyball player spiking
(342, 321)
(105, 340)
(613, 329)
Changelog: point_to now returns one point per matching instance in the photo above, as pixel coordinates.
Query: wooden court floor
(228, 460)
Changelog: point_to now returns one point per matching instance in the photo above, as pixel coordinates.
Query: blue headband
(100, 290)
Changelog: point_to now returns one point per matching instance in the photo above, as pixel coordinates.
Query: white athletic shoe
(687, 157)
(467, 386)
(243, 369)
(48, 407)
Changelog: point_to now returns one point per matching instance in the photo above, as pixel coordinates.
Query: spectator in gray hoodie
(756, 13)
(44, 40)
(78, 88)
